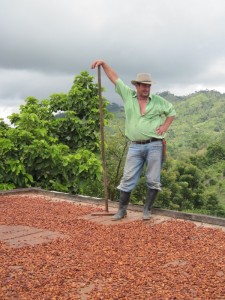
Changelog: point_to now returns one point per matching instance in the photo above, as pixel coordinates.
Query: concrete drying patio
(58, 246)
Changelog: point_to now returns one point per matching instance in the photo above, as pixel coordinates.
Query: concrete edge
(158, 211)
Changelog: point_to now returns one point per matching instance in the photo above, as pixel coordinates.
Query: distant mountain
(200, 120)
(171, 97)
(114, 108)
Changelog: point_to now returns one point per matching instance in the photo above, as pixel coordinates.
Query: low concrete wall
(158, 211)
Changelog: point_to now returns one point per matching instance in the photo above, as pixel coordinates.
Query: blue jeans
(138, 155)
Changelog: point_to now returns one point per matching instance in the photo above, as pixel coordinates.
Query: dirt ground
(54, 249)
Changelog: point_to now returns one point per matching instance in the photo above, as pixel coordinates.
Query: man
(148, 117)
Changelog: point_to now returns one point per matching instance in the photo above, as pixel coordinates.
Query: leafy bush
(54, 153)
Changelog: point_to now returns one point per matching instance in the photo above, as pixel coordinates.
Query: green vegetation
(55, 144)
(54, 153)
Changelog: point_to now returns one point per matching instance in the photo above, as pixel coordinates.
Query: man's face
(143, 90)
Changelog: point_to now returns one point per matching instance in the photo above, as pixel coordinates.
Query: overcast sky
(45, 43)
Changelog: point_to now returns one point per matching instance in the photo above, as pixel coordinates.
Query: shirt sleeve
(123, 90)
(168, 108)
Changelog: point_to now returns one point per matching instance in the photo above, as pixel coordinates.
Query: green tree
(115, 154)
(54, 153)
(215, 153)
(79, 127)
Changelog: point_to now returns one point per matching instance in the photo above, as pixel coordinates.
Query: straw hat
(142, 78)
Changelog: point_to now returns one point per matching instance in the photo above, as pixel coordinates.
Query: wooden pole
(102, 139)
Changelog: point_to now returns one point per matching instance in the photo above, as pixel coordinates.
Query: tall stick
(102, 138)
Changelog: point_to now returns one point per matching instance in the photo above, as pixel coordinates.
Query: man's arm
(164, 127)
(111, 74)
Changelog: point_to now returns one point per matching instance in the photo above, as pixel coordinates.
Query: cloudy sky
(45, 43)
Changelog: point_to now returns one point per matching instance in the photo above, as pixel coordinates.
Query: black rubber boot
(150, 198)
(123, 203)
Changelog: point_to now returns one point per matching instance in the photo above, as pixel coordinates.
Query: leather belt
(146, 141)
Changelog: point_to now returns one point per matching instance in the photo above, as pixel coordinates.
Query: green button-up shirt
(142, 127)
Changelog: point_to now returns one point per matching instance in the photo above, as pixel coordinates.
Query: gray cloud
(44, 44)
